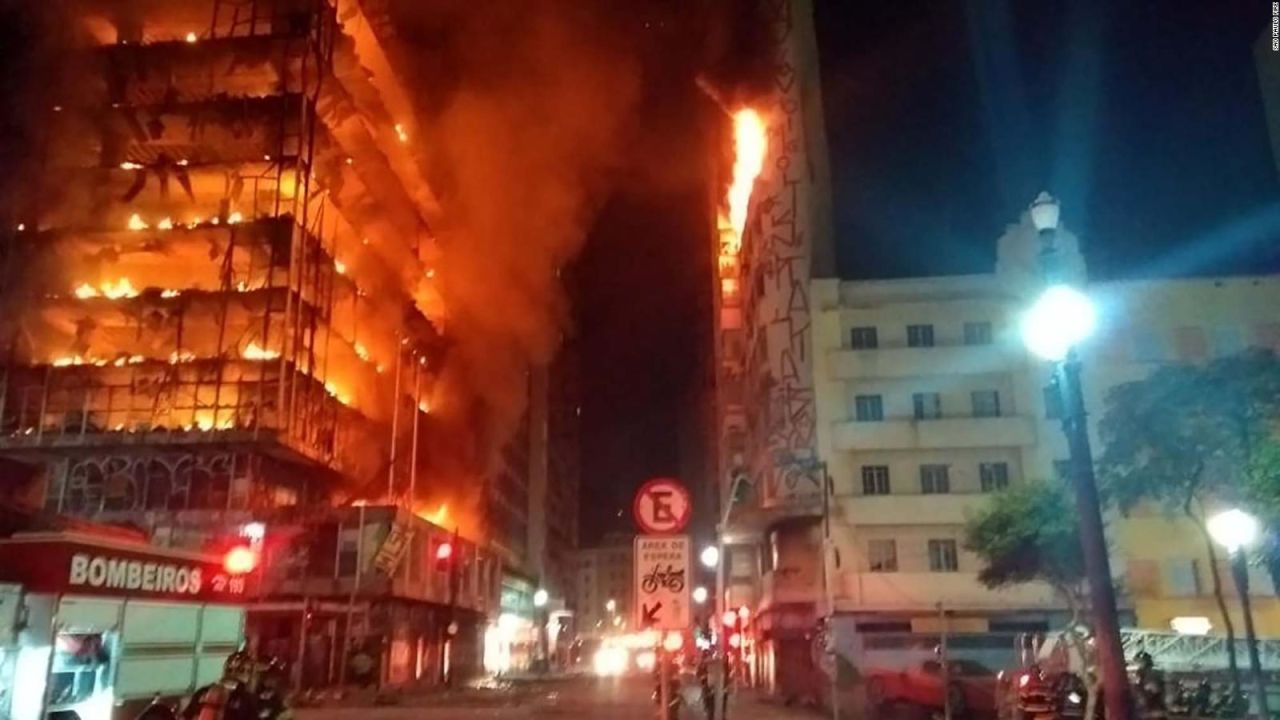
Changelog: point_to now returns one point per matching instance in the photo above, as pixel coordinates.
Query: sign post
(662, 582)
(662, 577)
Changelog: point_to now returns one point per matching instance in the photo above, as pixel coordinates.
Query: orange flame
(749, 146)
(438, 518)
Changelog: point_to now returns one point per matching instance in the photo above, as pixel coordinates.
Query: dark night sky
(944, 119)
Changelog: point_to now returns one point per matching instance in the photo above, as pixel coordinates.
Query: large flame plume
(749, 146)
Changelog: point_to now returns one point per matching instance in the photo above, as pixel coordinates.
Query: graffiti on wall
(778, 245)
(171, 481)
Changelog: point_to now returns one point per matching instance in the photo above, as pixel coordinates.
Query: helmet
(239, 666)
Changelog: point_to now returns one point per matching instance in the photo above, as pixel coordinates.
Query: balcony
(946, 433)
(922, 591)
(903, 362)
(941, 509)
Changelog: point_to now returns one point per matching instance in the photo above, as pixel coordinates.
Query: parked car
(972, 687)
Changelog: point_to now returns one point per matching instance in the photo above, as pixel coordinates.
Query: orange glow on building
(438, 517)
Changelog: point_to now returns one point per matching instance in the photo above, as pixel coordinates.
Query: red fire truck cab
(93, 628)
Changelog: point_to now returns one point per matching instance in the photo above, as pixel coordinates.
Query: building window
(994, 476)
(934, 480)
(919, 336)
(943, 556)
(977, 333)
(928, 406)
(1052, 402)
(868, 408)
(882, 555)
(875, 479)
(986, 403)
(864, 338)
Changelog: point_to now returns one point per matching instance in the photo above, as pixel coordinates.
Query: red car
(972, 687)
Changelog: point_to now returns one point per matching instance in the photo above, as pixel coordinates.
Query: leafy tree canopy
(1188, 432)
(1027, 533)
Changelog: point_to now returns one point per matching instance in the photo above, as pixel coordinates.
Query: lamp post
(1061, 318)
(1235, 530)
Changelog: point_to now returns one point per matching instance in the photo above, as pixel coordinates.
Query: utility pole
(829, 592)
(946, 664)
(451, 626)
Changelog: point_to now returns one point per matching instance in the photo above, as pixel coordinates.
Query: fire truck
(95, 628)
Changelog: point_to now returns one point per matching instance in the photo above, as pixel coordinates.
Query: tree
(1029, 533)
(1183, 438)
(1262, 493)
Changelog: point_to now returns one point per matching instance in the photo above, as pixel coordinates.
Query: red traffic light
(240, 560)
(444, 552)
(730, 618)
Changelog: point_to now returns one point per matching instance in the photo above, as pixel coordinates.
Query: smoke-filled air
(527, 108)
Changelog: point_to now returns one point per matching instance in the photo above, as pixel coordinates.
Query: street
(578, 698)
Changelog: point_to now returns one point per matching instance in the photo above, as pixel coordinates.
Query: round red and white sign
(662, 506)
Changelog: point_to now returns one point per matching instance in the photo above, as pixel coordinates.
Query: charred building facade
(219, 311)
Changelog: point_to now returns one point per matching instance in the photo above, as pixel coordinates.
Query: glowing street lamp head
(611, 605)
(710, 556)
(699, 595)
(540, 598)
(1060, 319)
(1233, 529)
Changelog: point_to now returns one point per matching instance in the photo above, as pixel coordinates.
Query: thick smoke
(529, 105)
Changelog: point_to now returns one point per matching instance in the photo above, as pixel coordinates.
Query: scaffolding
(203, 270)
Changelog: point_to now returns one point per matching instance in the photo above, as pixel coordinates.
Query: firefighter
(229, 698)
(271, 702)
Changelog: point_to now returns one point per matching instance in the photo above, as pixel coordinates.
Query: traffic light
(444, 557)
(240, 560)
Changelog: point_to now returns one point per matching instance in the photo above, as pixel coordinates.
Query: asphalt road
(580, 698)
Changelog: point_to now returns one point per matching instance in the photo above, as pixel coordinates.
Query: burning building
(220, 309)
(773, 239)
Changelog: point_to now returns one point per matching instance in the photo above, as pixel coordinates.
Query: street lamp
(1236, 530)
(710, 557)
(1060, 319)
(699, 595)
(611, 606)
(540, 598)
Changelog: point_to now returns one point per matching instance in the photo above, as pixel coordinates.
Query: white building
(601, 596)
